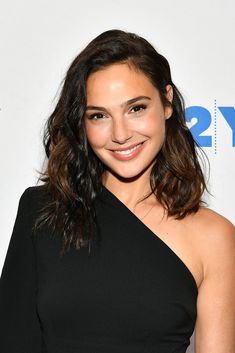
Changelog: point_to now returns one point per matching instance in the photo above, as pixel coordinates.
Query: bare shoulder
(213, 236)
(210, 224)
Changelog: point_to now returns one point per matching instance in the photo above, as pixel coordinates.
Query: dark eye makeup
(135, 109)
(138, 108)
(95, 116)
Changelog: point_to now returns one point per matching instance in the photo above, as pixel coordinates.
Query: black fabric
(131, 294)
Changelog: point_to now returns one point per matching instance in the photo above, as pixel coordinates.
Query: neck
(128, 191)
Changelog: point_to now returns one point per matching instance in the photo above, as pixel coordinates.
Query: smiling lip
(125, 154)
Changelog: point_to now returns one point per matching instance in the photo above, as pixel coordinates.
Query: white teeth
(128, 151)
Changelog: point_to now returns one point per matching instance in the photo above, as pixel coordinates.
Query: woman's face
(125, 119)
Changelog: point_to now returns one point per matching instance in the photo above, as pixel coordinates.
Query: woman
(115, 252)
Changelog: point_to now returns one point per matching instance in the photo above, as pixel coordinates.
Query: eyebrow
(128, 102)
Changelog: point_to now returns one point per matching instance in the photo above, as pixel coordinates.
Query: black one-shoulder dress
(131, 294)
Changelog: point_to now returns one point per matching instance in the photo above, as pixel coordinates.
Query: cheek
(154, 124)
(96, 135)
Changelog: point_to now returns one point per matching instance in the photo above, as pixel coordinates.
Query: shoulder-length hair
(73, 172)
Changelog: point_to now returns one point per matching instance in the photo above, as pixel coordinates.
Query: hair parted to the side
(73, 173)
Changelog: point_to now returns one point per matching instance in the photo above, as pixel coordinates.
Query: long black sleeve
(130, 293)
(19, 324)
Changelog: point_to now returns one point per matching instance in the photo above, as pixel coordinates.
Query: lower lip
(127, 157)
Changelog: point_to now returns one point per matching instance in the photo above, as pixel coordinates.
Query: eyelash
(93, 116)
(140, 108)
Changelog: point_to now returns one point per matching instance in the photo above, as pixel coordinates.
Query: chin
(128, 175)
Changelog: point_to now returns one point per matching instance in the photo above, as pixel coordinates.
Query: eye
(138, 108)
(96, 116)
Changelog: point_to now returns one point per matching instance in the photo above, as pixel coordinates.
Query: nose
(120, 131)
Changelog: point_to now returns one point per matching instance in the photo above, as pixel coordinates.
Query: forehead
(120, 80)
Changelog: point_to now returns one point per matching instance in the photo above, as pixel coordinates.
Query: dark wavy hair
(73, 172)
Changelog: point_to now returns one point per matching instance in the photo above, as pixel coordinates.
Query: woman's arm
(215, 327)
(19, 324)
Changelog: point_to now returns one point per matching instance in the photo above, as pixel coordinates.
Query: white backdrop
(40, 38)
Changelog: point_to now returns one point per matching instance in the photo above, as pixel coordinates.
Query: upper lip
(127, 148)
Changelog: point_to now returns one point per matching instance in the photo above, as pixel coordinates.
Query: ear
(169, 97)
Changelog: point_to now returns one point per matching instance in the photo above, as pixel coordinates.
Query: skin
(121, 124)
(204, 241)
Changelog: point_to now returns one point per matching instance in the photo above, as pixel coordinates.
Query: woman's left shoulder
(212, 232)
(213, 222)
(207, 216)
(214, 238)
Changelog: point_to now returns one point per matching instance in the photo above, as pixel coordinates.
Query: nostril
(121, 133)
(121, 139)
